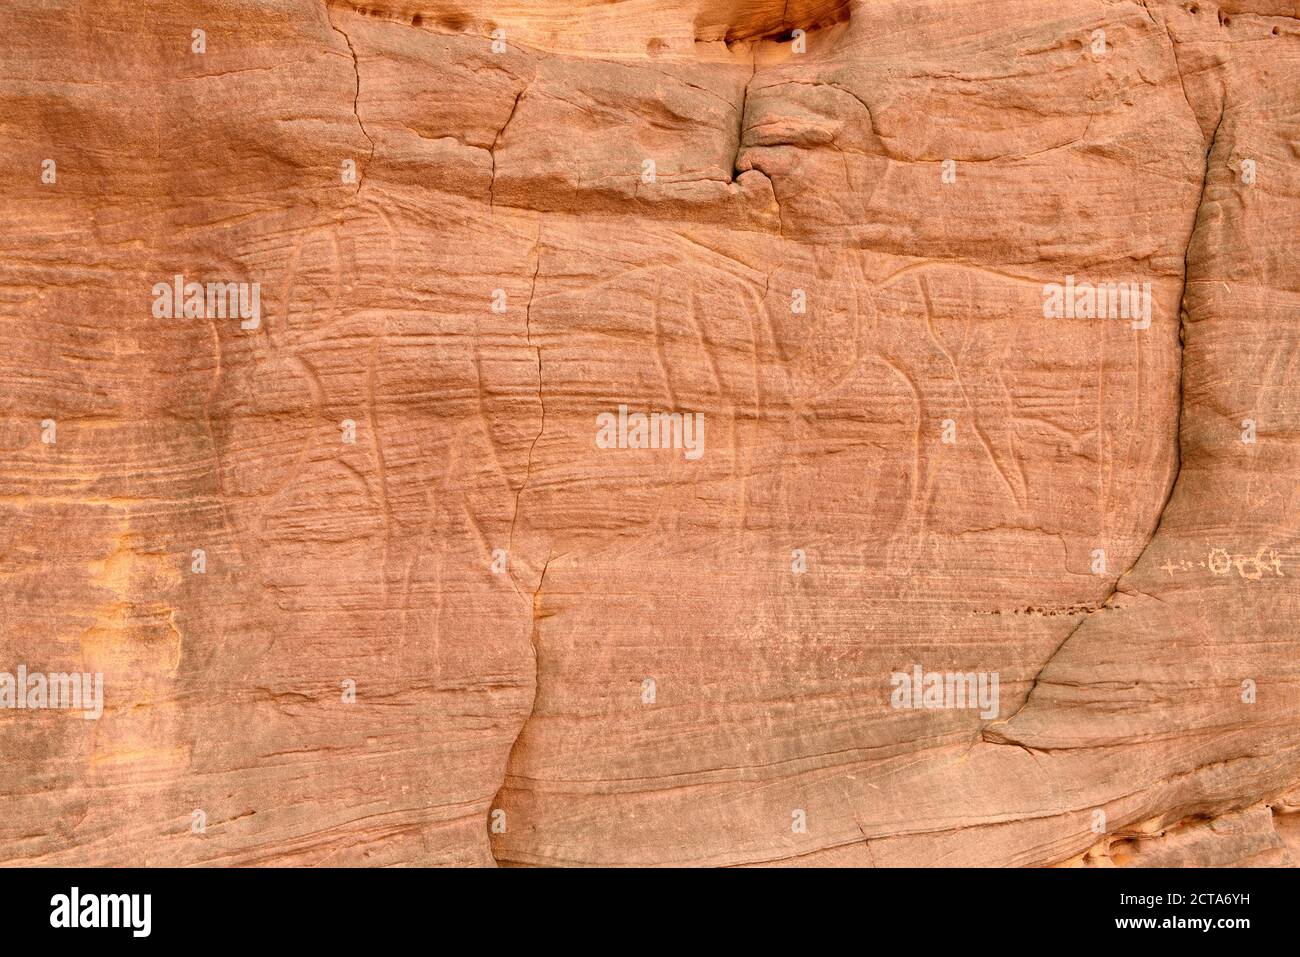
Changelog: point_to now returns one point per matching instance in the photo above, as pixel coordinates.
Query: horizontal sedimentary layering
(653, 432)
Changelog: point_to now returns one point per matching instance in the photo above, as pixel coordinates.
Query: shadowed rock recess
(982, 322)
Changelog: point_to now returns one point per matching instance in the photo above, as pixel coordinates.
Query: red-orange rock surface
(675, 660)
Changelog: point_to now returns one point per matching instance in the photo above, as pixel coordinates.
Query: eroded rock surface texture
(364, 582)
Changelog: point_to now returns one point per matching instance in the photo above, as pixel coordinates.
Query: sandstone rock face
(369, 579)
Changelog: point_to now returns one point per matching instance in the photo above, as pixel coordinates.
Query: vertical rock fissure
(744, 101)
(534, 605)
(356, 95)
(496, 140)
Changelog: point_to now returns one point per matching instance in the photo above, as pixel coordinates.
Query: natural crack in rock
(356, 96)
